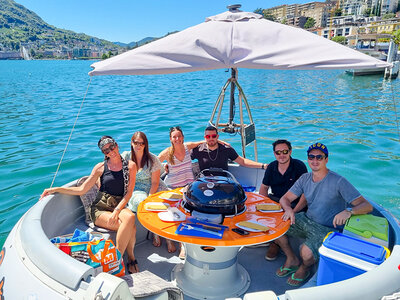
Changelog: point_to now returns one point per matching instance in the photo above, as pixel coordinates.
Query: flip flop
(283, 272)
(297, 281)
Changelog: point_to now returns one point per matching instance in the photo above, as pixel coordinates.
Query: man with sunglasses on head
(331, 200)
(213, 154)
(280, 176)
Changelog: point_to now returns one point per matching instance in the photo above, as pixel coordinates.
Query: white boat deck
(261, 271)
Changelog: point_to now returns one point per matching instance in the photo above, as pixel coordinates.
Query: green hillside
(21, 27)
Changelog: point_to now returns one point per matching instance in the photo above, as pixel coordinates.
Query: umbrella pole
(232, 102)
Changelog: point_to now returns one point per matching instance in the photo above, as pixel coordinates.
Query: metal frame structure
(247, 132)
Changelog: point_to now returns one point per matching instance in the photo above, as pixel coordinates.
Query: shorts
(104, 202)
(313, 232)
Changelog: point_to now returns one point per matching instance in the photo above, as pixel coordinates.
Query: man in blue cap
(331, 200)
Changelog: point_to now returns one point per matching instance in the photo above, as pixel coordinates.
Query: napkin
(252, 225)
(170, 195)
(269, 206)
(156, 206)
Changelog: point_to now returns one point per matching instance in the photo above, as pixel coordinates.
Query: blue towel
(77, 236)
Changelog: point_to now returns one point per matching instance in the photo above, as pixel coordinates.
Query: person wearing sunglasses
(279, 177)
(148, 179)
(213, 154)
(149, 167)
(179, 163)
(117, 181)
(331, 200)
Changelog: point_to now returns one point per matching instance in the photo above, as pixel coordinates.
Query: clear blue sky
(131, 20)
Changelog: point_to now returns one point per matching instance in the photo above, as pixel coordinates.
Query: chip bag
(102, 255)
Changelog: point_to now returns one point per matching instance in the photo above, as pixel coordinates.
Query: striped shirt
(180, 173)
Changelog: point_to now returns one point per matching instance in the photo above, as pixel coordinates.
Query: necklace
(209, 156)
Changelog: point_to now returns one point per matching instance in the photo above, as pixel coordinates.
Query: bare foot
(182, 253)
(171, 246)
(156, 240)
(272, 252)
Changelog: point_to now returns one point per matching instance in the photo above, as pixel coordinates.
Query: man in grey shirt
(331, 200)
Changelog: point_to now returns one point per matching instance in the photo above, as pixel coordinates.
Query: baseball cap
(318, 146)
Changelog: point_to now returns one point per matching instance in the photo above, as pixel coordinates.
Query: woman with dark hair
(117, 181)
(148, 179)
(149, 167)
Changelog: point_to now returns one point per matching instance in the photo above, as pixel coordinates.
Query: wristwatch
(350, 210)
(262, 166)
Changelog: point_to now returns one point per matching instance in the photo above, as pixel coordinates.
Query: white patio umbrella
(236, 39)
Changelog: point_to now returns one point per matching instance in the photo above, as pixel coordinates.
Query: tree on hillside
(310, 23)
(268, 15)
(339, 39)
(367, 12)
(377, 8)
(258, 11)
(396, 37)
(389, 16)
(338, 12)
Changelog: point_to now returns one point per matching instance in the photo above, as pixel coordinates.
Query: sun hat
(318, 146)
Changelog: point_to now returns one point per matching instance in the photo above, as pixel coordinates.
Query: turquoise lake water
(354, 117)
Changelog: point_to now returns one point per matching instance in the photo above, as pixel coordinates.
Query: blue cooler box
(343, 257)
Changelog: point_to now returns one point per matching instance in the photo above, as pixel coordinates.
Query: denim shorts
(313, 232)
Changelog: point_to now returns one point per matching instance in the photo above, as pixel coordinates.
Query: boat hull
(31, 261)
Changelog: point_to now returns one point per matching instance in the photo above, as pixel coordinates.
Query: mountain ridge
(21, 27)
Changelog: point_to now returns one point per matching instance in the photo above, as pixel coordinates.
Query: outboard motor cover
(215, 191)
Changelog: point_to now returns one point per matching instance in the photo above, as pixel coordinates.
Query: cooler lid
(355, 247)
(368, 226)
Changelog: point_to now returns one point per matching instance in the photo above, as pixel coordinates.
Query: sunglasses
(279, 152)
(208, 136)
(318, 157)
(109, 149)
(136, 143)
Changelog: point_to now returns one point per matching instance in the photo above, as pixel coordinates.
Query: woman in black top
(117, 177)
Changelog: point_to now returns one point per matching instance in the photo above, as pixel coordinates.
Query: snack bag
(105, 257)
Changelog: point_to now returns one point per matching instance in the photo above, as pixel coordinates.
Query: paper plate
(167, 196)
(250, 229)
(270, 211)
(148, 206)
(173, 214)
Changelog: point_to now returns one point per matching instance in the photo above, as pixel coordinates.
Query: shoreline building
(297, 14)
(376, 7)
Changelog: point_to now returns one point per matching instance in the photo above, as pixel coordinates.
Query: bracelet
(117, 209)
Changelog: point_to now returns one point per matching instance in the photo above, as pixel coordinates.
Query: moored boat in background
(372, 45)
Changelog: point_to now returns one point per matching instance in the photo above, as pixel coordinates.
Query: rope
(72, 130)
(395, 111)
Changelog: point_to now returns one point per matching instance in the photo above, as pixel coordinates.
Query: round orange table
(211, 270)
